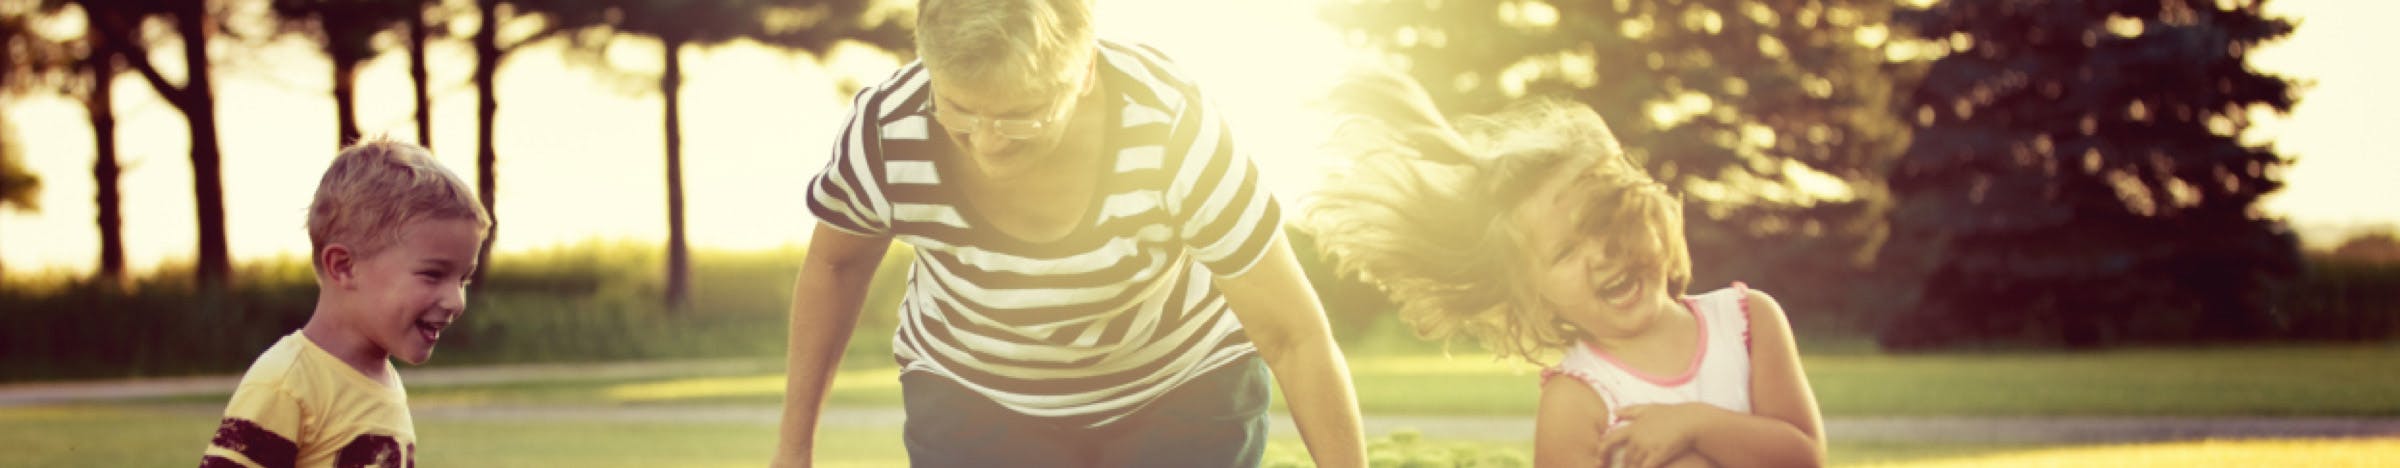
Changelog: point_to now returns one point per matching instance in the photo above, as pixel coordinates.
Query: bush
(585, 302)
(2344, 298)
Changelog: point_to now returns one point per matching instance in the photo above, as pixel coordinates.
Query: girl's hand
(1652, 435)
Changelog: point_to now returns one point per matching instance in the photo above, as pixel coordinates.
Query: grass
(2281, 380)
(2272, 452)
(2286, 380)
(2290, 380)
(172, 435)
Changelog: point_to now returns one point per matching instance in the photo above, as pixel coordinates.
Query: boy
(393, 239)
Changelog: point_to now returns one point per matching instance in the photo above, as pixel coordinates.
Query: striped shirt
(1090, 327)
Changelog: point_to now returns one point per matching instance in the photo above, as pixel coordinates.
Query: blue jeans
(1218, 419)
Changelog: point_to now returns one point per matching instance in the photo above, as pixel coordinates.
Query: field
(725, 416)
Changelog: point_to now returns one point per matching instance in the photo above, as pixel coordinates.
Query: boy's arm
(1782, 429)
(825, 306)
(1281, 314)
(261, 428)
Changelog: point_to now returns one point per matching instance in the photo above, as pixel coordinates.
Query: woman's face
(1605, 291)
(973, 116)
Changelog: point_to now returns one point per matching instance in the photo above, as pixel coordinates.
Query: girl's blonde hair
(1008, 47)
(1424, 209)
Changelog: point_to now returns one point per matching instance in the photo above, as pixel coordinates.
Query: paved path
(1927, 429)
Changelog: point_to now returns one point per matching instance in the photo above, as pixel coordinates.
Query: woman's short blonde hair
(1424, 210)
(1007, 47)
(378, 186)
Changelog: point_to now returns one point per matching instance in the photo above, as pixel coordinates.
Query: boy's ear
(339, 264)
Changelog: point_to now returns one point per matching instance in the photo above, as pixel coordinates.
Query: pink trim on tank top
(1699, 353)
(1744, 289)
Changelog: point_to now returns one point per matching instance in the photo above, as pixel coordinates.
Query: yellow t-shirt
(300, 406)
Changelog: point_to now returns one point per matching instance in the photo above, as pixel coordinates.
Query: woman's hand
(1652, 435)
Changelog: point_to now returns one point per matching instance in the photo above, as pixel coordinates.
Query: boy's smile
(417, 287)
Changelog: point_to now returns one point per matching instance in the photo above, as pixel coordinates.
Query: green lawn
(2258, 381)
(2262, 381)
(174, 434)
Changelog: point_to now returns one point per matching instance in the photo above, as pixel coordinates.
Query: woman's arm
(1281, 314)
(826, 297)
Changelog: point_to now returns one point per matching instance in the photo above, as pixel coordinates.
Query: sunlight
(581, 154)
(1264, 73)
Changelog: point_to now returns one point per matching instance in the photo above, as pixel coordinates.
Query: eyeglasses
(1014, 129)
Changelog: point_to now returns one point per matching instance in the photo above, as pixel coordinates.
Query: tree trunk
(197, 99)
(417, 75)
(487, 107)
(100, 107)
(678, 258)
(345, 99)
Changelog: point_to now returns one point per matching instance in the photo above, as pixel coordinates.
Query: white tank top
(1719, 377)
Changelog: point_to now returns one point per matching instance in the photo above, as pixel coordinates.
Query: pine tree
(2076, 177)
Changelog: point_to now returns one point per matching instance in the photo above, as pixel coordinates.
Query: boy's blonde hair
(377, 186)
(1424, 211)
(1007, 47)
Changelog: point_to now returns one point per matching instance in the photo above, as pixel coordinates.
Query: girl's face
(1605, 290)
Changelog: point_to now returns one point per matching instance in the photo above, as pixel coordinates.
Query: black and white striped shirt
(1090, 327)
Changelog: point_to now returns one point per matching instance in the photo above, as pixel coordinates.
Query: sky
(581, 156)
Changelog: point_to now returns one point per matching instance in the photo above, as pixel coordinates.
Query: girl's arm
(1787, 430)
(1568, 423)
(1782, 428)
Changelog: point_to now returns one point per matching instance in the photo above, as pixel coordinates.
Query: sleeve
(259, 430)
(1222, 214)
(1607, 399)
(848, 194)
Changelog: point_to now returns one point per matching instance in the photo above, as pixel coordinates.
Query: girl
(1529, 231)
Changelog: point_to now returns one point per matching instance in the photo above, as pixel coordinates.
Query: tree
(811, 25)
(82, 68)
(487, 110)
(2076, 177)
(490, 51)
(117, 28)
(1721, 99)
(347, 29)
(98, 73)
(28, 61)
(20, 189)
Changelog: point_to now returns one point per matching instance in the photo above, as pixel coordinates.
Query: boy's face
(406, 294)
